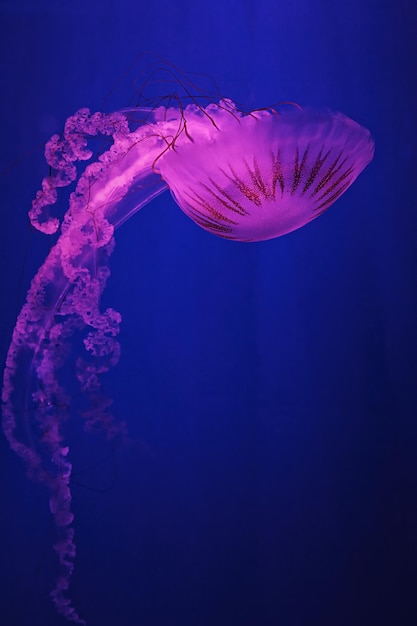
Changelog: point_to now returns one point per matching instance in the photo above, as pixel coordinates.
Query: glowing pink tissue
(242, 176)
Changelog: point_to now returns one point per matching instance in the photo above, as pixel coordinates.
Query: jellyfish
(244, 176)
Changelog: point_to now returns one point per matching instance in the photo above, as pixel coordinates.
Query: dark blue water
(269, 389)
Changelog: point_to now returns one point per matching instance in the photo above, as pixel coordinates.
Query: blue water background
(269, 389)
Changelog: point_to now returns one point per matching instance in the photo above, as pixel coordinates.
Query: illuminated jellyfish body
(242, 176)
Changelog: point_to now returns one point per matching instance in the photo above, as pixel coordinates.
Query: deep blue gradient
(270, 389)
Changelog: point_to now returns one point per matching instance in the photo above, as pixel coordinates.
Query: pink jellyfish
(243, 176)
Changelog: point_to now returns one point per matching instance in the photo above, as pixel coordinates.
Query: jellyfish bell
(243, 176)
(261, 175)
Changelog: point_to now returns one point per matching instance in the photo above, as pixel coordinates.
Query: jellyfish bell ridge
(256, 176)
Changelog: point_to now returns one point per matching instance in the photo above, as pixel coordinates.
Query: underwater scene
(208, 344)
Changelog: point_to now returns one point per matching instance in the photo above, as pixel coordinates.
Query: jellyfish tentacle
(64, 296)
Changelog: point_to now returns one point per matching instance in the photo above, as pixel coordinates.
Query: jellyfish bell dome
(256, 176)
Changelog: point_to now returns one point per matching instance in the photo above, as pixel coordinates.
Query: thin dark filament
(298, 168)
(333, 169)
(250, 194)
(232, 204)
(277, 175)
(208, 207)
(315, 170)
(332, 198)
(347, 172)
(256, 176)
(210, 224)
